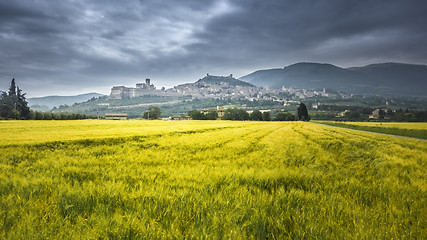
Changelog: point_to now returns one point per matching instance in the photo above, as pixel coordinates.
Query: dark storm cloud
(310, 29)
(72, 46)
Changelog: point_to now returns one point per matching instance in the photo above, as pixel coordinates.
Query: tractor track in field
(384, 134)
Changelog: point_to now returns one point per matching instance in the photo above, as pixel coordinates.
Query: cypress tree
(303, 113)
(12, 88)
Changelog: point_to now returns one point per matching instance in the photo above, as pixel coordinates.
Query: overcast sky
(68, 47)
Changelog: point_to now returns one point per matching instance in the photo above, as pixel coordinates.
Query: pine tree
(6, 106)
(22, 104)
(14, 105)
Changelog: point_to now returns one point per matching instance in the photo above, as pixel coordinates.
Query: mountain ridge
(220, 79)
(380, 78)
(48, 102)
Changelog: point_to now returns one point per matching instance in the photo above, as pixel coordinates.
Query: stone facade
(116, 116)
(141, 89)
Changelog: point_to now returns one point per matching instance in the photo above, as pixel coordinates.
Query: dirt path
(384, 134)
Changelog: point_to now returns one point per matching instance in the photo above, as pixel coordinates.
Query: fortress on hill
(141, 89)
(218, 87)
(207, 87)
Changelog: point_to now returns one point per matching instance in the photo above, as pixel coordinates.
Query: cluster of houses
(380, 113)
(220, 88)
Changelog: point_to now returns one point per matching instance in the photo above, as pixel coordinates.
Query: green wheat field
(100, 179)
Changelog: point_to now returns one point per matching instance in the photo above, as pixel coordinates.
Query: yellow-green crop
(412, 129)
(208, 179)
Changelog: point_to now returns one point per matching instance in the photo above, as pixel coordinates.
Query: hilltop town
(211, 91)
(221, 87)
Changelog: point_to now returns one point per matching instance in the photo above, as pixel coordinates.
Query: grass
(415, 130)
(208, 179)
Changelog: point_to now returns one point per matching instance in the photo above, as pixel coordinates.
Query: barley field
(400, 125)
(99, 179)
(407, 129)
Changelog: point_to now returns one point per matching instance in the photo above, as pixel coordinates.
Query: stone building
(141, 89)
(116, 116)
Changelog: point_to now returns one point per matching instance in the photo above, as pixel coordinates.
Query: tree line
(238, 114)
(362, 114)
(13, 105)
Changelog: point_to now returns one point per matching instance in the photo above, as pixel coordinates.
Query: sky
(70, 47)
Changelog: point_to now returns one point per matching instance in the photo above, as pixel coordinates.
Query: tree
(14, 105)
(47, 116)
(12, 88)
(284, 117)
(353, 115)
(196, 115)
(303, 113)
(32, 115)
(213, 115)
(152, 113)
(6, 106)
(256, 115)
(235, 114)
(15, 114)
(38, 116)
(266, 116)
(382, 114)
(22, 104)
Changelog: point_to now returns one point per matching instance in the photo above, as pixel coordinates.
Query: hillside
(406, 78)
(220, 79)
(387, 78)
(47, 103)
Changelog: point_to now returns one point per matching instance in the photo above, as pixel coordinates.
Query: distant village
(215, 95)
(220, 87)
